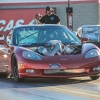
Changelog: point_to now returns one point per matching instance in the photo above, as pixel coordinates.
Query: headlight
(92, 53)
(31, 55)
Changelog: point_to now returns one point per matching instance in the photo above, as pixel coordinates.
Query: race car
(47, 51)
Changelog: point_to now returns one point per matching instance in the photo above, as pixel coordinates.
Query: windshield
(43, 34)
(91, 33)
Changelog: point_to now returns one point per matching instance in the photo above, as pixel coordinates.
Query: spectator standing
(49, 17)
(36, 19)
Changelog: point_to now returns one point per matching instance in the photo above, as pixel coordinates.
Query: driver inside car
(52, 35)
(49, 35)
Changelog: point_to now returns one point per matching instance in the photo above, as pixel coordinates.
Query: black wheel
(15, 70)
(94, 77)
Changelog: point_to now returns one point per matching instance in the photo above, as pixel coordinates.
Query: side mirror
(84, 39)
(1, 37)
(3, 42)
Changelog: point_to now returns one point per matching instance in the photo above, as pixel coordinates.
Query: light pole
(69, 11)
(68, 3)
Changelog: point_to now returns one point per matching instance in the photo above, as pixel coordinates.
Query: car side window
(91, 32)
(8, 38)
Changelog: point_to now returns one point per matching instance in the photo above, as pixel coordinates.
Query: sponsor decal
(10, 24)
(70, 21)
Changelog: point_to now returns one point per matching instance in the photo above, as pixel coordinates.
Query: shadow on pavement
(40, 82)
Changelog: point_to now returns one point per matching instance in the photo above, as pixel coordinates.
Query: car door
(9, 41)
(4, 64)
(5, 53)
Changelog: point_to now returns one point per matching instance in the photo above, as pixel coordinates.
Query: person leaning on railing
(38, 16)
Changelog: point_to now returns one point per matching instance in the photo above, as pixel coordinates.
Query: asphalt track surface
(50, 89)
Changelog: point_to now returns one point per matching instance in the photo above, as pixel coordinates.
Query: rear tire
(94, 77)
(15, 70)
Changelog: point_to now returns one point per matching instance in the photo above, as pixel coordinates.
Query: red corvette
(47, 51)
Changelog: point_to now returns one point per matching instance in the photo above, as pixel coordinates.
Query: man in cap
(50, 17)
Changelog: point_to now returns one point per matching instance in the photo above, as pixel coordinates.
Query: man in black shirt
(50, 17)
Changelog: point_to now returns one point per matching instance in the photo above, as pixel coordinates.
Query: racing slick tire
(15, 70)
(94, 77)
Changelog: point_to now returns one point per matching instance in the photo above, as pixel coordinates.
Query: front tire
(15, 70)
(94, 77)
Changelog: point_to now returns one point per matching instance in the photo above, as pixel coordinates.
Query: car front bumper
(59, 71)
